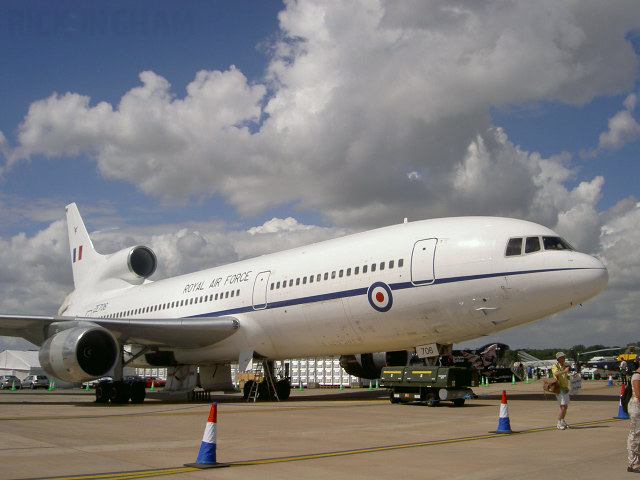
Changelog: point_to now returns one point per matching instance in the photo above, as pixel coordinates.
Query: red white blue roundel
(380, 297)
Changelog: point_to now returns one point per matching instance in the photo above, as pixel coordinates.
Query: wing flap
(164, 332)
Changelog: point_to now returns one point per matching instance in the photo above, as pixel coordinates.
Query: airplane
(370, 297)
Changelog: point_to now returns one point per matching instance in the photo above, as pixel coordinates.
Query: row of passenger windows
(176, 304)
(523, 245)
(345, 272)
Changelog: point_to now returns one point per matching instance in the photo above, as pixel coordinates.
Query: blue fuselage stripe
(363, 291)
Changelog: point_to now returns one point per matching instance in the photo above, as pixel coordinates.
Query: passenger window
(319, 277)
(333, 275)
(233, 293)
(514, 247)
(348, 272)
(310, 278)
(271, 289)
(278, 286)
(304, 280)
(226, 295)
(272, 286)
(326, 276)
(297, 281)
(364, 269)
(291, 282)
(341, 273)
(356, 271)
(373, 267)
(381, 265)
(532, 245)
(401, 262)
(390, 263)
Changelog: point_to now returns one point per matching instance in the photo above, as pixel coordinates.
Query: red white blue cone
(207, 454)
(504, 426)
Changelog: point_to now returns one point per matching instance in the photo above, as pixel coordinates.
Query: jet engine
(130, 264)
(369, 365)
(80, 353)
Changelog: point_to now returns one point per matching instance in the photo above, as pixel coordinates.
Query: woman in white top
(633, 442)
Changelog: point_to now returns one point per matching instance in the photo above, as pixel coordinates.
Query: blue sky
(341, 115)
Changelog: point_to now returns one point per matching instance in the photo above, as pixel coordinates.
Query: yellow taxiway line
(177, 470)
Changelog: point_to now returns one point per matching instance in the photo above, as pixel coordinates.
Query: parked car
(155, 382)
(93, 383)
(35, 381)
(9, 381)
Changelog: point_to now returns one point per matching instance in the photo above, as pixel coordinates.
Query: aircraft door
(422, 262)
(259, 297)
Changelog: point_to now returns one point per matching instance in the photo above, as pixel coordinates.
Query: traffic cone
(621, 413)
(207, 454)
(513, 379)
(13, 386)
(504, 426)
(87, 387)
(153, 385)
(610, 383)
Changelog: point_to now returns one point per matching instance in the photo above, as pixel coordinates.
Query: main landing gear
(120, 391)
(268, 388)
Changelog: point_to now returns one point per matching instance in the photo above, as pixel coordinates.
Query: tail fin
(84, 257)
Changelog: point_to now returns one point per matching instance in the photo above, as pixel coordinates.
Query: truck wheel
(431, 399)
(458, 402)
(392, 398)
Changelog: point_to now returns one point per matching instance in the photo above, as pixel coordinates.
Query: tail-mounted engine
(369, 365)
(133, 265)
(84, 351)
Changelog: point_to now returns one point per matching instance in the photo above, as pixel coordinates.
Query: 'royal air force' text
(218, 282)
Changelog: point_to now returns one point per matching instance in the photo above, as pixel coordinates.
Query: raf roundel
(380, 297)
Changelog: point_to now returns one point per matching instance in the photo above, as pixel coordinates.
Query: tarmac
(316, 434)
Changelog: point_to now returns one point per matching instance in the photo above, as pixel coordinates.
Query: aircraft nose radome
(590, 277)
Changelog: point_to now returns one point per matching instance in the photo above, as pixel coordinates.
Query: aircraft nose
(590, 276)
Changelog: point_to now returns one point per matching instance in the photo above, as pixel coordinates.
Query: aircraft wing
(167, 332)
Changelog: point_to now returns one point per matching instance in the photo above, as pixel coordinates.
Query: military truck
(429, 384)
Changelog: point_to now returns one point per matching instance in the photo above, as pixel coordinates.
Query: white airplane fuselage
(442, 280)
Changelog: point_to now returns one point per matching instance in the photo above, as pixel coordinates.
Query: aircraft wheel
(263, 391)
(102, 392)
(119, 392)
(283, 389)
(138, 392)
(246, 389)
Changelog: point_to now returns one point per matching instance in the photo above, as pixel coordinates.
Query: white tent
(20, 363)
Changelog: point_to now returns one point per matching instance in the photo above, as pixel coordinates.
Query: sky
(217, 131)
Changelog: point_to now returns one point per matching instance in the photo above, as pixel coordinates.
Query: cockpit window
(532, 245)
(556, 243)
(514, 247)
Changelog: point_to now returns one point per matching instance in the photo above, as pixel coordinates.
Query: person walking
(633, 442)
(561, 372)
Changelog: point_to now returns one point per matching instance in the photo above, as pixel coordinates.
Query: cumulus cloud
(623, 128)
(368, 112)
